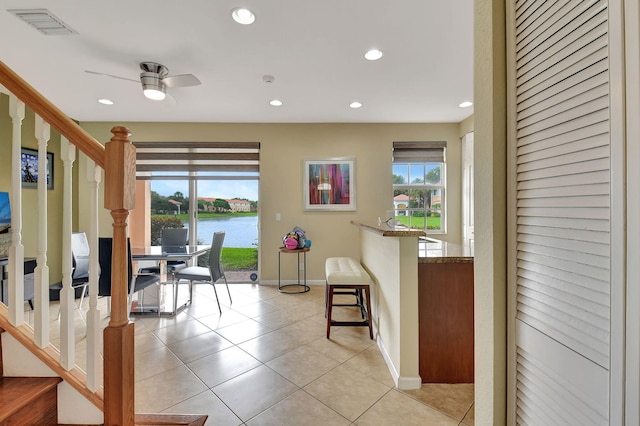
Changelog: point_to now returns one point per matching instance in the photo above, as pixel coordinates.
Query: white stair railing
(67, 294)
(94, 331)
(117, 158)
(41, 282)
(16, 305)
(16, 250)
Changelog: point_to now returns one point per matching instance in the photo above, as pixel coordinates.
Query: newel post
(120, 176)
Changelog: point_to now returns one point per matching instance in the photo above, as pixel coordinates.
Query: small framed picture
(29, 168)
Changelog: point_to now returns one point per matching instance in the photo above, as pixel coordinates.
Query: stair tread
(17, 392)
(159, 419)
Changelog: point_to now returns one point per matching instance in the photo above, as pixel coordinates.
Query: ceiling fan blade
(182, 80)
(111, 75)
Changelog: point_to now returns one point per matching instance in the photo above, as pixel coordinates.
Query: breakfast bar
(390, 256)
(422, 304)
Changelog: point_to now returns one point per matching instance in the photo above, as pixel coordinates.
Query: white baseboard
(402, 382)
(409, 383)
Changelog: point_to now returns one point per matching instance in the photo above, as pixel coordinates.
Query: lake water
(240, 231)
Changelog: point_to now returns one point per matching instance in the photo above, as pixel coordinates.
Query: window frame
(423, 186)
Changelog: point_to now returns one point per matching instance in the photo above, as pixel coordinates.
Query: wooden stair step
(170, 419)
(29, 400)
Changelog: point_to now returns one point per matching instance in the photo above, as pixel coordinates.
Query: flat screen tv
(5, 213)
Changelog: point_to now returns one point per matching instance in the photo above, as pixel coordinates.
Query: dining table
(163, 254)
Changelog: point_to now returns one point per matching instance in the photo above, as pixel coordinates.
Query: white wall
(392, 263)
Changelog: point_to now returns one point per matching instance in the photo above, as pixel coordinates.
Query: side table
(300, 287)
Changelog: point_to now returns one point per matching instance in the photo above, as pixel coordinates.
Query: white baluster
(67, 294)
(16, 251)
(94, 331)
(41, 284)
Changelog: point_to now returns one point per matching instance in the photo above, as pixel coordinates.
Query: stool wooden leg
(360, 299)
(329, 308)
(326, 298)
(368, 290)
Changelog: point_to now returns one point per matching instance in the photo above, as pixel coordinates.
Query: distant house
(235, 205)
(208, 203)
(401, 202)
(175, 203)
(239, 205)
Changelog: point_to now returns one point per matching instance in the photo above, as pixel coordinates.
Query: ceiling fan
(155, 79)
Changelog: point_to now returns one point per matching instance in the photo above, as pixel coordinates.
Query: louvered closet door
(562, 237)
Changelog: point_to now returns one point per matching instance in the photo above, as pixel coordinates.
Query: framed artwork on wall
(329, 184)
(29, 168)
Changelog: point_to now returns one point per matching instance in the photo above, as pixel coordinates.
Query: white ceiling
(314, 48)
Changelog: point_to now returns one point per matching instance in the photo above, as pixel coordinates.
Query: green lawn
(235, 259)
(418, 222)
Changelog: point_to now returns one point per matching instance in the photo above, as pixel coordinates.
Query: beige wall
(283, 148)
(490, 212)
(466, 126)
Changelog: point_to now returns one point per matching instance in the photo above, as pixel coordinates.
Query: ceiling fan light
(152, 86)
(154, 94)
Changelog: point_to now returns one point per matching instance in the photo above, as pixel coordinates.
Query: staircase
(29, 400)
(106, 386)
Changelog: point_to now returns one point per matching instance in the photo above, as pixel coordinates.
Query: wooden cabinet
(445, 294)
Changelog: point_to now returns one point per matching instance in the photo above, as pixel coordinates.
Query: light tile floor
(266, 361)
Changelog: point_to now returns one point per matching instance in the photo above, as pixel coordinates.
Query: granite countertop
(431, 250)
(390, 230)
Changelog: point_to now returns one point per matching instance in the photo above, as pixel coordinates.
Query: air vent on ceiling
(43, 21)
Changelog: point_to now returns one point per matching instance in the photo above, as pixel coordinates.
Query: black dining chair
(173, 240)
(80, 272)
(213, 273)
(136, 282)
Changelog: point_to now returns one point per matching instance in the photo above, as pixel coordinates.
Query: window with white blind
(419, 185)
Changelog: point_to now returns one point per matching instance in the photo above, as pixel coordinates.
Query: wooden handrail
(52, 115)
(118, 159)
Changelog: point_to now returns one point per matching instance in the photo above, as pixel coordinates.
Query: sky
(226, 189)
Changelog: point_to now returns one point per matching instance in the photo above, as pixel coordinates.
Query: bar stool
(345, 275)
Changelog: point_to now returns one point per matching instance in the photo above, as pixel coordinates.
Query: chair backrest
(174, 240)
(105, 247)
(80, 255)
(215, 266)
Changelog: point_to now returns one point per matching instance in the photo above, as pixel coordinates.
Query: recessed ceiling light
(276, 102)
(105, 101)
(243, 16)
(355, 104)
(465, 104)
(373, 55)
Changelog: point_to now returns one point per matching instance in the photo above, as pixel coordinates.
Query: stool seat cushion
(345, 270)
